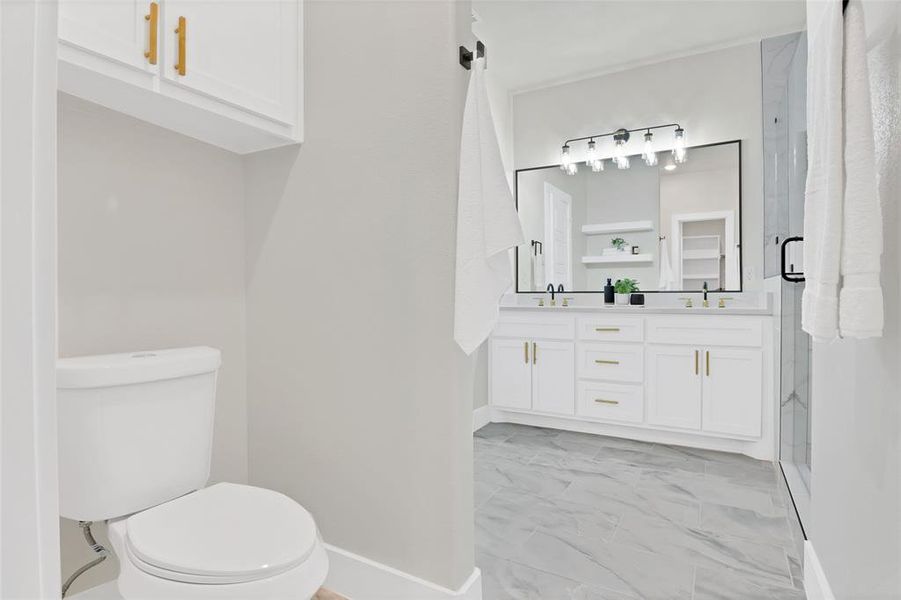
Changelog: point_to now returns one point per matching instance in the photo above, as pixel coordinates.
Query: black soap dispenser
(608, 292)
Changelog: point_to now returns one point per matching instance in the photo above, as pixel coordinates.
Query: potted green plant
(618, 243)
(623, 288)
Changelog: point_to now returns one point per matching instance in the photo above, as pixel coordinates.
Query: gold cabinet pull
(605, 401)
(696, 361)
(601, 361)
(707, 353)
(182, 31)
(534, 353)
(525, 347)
(606, 328)
(153, 27)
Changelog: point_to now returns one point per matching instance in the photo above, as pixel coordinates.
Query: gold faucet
(722, 302)
(688, 303)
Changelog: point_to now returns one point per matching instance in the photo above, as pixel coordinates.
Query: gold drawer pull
(606, 328)
(534, 353)
(604, 401)
(606, 362)
(182, 31)
(696, 362)
(152, 18)
(708, 363)
(525, 346)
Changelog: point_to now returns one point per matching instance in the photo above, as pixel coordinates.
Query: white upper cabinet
(227, 73)
(117, 30)
(243, 53)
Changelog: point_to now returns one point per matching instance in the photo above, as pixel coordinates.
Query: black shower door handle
(793, 277)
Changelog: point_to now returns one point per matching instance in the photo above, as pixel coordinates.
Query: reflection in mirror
(670, 226)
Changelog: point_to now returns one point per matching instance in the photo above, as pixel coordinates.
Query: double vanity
(700, 377)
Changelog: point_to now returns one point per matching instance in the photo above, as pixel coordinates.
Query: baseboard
(815, 583)
(359, 578)
(480, 417)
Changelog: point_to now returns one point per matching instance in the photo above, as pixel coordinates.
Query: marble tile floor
(570, 516)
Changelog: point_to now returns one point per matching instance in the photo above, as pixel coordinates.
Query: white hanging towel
(860, 313)
(823, 195)
(666, 280)
(487, 222)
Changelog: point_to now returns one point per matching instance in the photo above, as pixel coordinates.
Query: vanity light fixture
(679, 151)
(594, 159)
(566, 162)
(649, 155)
(621, 137)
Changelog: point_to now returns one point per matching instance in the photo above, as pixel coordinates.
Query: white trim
(759, 448)
(815, 583)
(480, 417)
(29, 519)
(359, 578)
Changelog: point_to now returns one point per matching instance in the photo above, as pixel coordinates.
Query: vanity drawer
(611, 401)
(612, 362)
(612, 328)
(532, 325)
(706, 330)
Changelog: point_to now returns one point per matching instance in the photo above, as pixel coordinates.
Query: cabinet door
(114, 29)
(511, 373)
(243, 53)
(674, 386)
(733, 391)
(553, 377)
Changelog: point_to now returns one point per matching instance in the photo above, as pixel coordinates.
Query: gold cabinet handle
(707, 353)
(601, 361)
(696, 362)
(153, 27)
(606, 328)
(605, 401)
(525, 347)
(534, 353)
(182, 31)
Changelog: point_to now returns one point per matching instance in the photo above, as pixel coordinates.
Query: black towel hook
(466, 55)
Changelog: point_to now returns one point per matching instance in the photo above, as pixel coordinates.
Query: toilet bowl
(135, 433)
(224, 541)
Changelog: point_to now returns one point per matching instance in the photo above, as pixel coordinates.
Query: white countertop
(756, 304)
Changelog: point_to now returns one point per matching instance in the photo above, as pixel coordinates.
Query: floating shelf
(626, 258)
(624, 227)
(708, 276)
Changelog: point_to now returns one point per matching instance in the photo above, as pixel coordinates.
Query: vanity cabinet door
(511, 373)
(674, 386)
(733, 391)
(553, 377)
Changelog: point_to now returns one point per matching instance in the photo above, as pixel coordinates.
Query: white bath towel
(823, 196)
(666, 280)
(487, 222)
(860, 298)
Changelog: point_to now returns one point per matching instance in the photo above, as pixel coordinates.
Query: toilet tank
(135, 429)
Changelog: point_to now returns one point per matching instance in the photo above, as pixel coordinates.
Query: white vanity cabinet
(690, 379)
(227, 73)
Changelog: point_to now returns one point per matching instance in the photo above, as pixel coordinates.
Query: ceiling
(537, 43)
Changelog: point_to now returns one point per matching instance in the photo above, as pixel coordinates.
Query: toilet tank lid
(108, 370)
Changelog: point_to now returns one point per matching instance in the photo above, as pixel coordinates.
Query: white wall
(855, 407)
(360, 402)
(151, 255)
(715, 96)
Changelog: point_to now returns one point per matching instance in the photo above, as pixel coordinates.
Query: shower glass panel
(785, 151)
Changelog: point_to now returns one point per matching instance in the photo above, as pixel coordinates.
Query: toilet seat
(224, 534)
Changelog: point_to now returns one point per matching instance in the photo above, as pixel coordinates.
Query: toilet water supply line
(95, 547)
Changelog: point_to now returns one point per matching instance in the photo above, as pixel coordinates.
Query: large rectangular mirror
(670, 227)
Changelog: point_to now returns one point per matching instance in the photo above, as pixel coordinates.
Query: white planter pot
(622, 298)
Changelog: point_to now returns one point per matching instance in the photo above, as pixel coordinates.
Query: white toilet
(135, 433)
